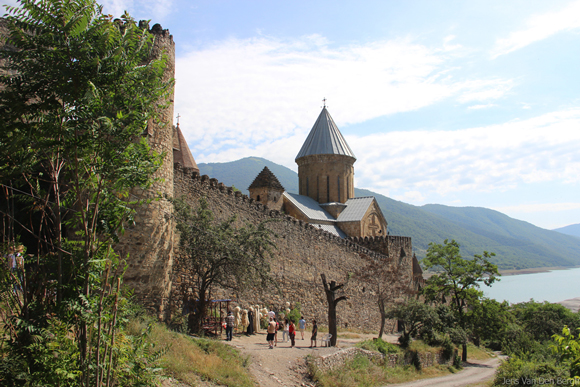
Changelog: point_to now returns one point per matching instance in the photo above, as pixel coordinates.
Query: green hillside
(517, 244)
(241, 173)
(573, 229)
(511, 238)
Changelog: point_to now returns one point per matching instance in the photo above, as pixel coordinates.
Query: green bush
(457, 362)
(378, 345)
(448, 349)
(295, 313)
(521, 372)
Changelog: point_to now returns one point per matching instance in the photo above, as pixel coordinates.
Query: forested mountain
(573, 229)
(517, 244)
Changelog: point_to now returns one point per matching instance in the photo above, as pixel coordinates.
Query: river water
(553, 286)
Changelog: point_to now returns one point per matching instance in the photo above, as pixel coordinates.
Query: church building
(326, 184)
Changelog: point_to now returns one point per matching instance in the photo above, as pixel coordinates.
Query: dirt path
(474, 373)
(285, 366)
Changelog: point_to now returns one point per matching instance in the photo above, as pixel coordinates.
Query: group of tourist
(289, 331)
(287, 327)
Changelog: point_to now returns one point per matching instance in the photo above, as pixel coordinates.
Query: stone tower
(149, 241)
(267, 190)
(325, 163)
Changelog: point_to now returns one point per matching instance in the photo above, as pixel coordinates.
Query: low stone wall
(338, 359)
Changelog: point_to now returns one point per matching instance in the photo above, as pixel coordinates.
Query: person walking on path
(276, 332)
(314, 333)
(292, 333)
(302, 326)
(229, 326)
(271, 332)
(286, 332)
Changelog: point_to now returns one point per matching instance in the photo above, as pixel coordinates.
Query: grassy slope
(517, 244)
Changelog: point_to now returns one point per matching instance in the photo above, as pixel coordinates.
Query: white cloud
(139, 9)
(486, 106)
(485, 159)
(485, 90)
(261, 90)
(117, 7)
(539, 207)
(540, 27)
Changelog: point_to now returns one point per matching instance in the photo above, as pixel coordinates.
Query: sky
(461, 103)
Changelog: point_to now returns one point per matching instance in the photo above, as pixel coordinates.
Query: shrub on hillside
(516, 371)
(379, 345)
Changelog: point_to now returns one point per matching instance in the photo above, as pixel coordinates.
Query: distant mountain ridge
(517, 244)
(573, 229)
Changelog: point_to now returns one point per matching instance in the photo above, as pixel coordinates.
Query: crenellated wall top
(204, 182)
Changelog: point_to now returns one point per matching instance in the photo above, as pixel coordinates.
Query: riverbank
(535, 270)
(573, 304)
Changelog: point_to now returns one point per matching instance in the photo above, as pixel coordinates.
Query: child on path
(292, 333)
(302, 326)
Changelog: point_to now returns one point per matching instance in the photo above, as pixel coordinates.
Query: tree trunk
(464, 353)
(383, 317)
(195, 321)
(332, 302)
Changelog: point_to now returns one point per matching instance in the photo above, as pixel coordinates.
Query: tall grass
(190, 359)
(362, 372)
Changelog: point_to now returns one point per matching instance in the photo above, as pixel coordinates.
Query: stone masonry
(302, 254)
(149, 242)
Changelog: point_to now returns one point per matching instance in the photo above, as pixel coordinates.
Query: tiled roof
(355, 209)
(266, 179)
(325, 138)
(181, 153)
(331, 228)
(309, 207)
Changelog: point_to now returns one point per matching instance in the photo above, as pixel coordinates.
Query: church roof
(181, 153)
(325, 138)
(356, 208)
(266, 179)
(309, 207)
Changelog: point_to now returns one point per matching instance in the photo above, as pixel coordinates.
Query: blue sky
(462, 103)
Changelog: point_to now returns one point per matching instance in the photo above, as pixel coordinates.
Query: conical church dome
(325, 139)
(325, 163)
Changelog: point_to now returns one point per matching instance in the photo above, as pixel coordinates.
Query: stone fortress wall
(156, 268)
(303, 253)
(149, 242)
